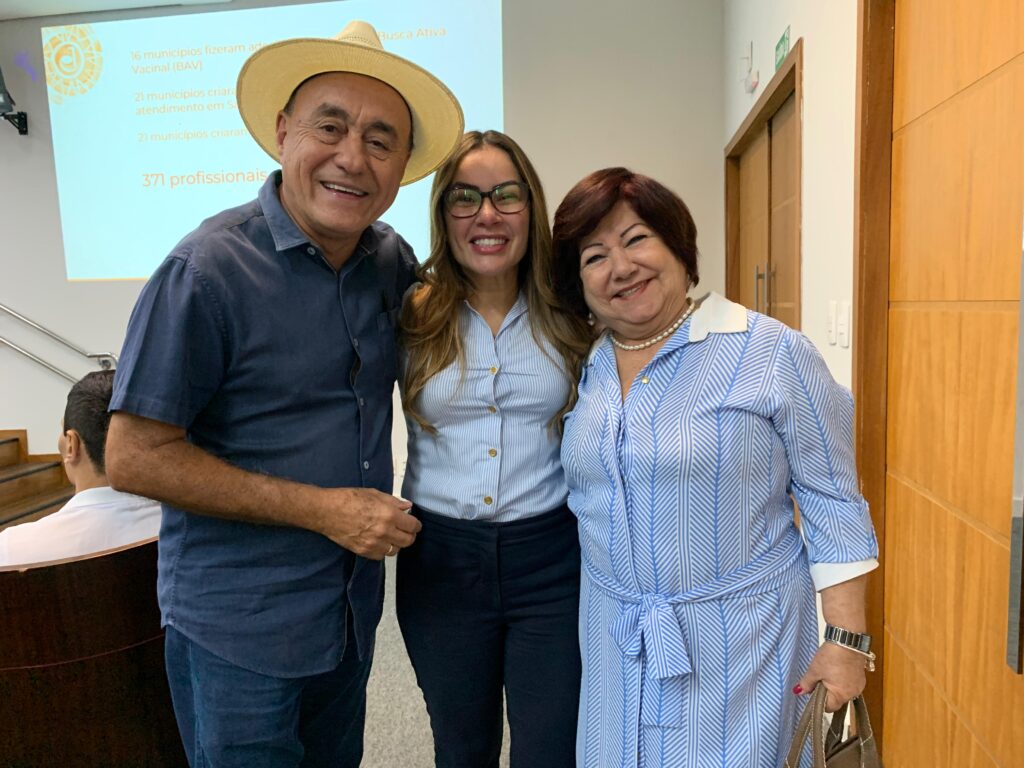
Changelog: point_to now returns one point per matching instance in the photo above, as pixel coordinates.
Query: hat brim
(270, 75)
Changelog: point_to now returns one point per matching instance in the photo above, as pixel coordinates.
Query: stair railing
(105, 360)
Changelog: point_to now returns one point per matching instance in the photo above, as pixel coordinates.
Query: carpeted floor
(397, 728)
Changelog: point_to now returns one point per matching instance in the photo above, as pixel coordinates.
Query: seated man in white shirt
(97, 517)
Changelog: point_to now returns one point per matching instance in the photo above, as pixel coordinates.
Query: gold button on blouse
(488, 500)
(493, 369)
(492, 409)
(644, 380)
(492, 452)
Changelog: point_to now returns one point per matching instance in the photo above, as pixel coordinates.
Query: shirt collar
(716, 314)
(103, 494)
(284, 230)
(517, 309)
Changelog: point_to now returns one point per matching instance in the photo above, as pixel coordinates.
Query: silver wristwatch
(854, 641)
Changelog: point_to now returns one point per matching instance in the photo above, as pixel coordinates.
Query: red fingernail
(797, 689)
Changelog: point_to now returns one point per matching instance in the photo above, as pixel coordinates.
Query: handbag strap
(837, 728)
(810, 722)
(865, 733)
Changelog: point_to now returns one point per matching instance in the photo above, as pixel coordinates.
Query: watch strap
(855, 641)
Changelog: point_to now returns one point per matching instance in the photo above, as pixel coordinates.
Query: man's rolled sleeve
(174, 354)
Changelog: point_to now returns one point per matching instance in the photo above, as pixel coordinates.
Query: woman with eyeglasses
(488, 595)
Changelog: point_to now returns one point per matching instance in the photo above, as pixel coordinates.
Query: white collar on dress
(717, 314)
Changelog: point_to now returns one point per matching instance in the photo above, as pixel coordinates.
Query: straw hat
(270, 75)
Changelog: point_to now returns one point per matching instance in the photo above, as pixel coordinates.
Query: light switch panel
(843, 324)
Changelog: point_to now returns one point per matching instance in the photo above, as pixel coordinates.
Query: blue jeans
(230, 717)
(487, 608)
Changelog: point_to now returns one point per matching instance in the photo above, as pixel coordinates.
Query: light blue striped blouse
(494, 457)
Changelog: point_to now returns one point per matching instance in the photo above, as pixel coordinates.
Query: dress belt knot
(650, 627)
(647, 627)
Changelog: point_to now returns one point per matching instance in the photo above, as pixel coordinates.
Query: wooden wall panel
(984, 691)
(918, 587)
(912, 705)
(958, 176)
(953, 283)
(942, 46)
(923, 392)
(946, 590)
(966, 751)
(984, 473)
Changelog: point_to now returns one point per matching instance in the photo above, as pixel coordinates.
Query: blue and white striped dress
(697, 612)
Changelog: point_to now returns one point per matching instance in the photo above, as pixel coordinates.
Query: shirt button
(362, 402)
(311, 251)
(493, 370)
(644, 380)
(355, 343)
(492, 453)
(366, 465)
(492, 409)
(488, 500)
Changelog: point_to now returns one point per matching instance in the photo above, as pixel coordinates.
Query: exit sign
(781, 49)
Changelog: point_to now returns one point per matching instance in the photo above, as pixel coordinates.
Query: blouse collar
(717, 314)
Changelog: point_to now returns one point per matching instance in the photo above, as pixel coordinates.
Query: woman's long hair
(430, 317)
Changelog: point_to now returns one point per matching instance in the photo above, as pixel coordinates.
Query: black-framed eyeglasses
(463, 200)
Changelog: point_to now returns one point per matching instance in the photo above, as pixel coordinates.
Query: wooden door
(957, 199)
(762, 190)
(783, 281)
(754, 208)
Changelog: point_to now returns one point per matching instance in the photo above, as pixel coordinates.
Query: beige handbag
(832, 751)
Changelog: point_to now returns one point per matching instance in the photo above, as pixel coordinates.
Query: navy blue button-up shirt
(271, 360)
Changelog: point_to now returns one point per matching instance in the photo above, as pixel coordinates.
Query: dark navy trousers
(486, 607)
(230, 717)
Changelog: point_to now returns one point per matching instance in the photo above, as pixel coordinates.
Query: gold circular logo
(73, 58)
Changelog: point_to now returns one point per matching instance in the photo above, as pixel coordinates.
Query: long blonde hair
(430, 318)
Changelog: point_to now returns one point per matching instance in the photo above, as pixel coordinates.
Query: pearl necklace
(663, 335)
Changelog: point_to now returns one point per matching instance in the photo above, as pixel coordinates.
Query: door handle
(758, 277)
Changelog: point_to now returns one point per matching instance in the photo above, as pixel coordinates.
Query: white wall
(591, 84)
(586, 85)
(829, 32)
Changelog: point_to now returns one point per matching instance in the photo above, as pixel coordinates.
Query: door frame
(876, 22)
(788, 80)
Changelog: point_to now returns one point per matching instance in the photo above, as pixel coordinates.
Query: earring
(590, 319)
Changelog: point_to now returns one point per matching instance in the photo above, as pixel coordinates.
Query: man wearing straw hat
(253, 399)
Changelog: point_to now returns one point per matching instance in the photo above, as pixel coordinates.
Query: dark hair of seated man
(86, 421)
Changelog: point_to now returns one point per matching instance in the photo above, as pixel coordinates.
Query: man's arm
(153, 459)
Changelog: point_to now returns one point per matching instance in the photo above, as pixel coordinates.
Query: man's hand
(369, 523)
(156, 460)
